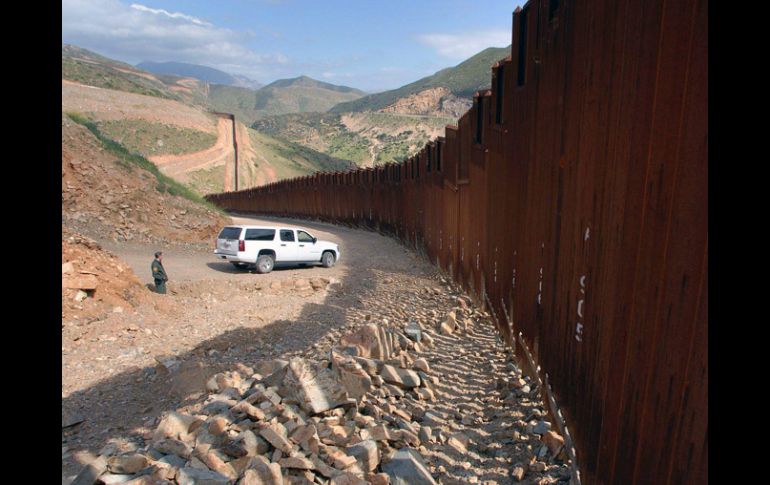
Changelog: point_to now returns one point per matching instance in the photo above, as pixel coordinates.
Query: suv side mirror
(315, 239)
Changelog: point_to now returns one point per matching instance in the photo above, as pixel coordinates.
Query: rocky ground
(431, 102)
(469, 414)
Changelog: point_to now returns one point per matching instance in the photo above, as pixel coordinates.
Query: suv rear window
(230, 233)
(287, 235)
(260, 234)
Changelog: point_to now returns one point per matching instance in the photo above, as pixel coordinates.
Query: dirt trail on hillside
(102, 198)
(221, 153)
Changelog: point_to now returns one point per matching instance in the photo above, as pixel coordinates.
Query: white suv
(267, 246)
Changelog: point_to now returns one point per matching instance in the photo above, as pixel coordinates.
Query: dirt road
(120, 374)
(221, 153)
(184, 264)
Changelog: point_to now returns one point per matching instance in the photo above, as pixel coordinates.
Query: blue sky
(364, 44)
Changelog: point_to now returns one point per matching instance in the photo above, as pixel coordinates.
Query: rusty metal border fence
(571, 201)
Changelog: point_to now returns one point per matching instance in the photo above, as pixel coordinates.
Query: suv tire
(265, 264)
(328, 259)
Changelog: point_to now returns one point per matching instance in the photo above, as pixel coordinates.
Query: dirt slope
(106, 105)
(104, 199)
(249, 174)
(431, 102)
(117, 287)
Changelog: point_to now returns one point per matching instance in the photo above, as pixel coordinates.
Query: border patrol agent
(158, 273)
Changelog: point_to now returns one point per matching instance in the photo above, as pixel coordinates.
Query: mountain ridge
(462, 80)
(198, 71)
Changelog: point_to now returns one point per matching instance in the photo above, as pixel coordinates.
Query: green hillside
(366, 139)
(301, 95)
(86, 67)
(270, 155)
(150, 139)
(235, 100)
(297, 95)
(462, 80)
(292, 159)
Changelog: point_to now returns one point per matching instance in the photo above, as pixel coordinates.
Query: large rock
(554, 441)
(459, 441)
(351, 375)
(245, 444)
(127, 464)
(246, 410)
(213, 460)
(421, 364)
(413, 331)
(91, 472)
(275, 377)
(196, 476)
(366, 454)
(449, 324)
(368, 340)
(347, 479)
(378, 478)
(338, 459)
(315, 390)
(173, 426)
(275, 434)
(407, 468)
(401, 377)
(263, 474)
(297, 462)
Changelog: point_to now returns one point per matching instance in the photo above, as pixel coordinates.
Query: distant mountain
(301, 95)
(297, 95)
(235, 100)
(85, 67)
(462, 81)
(308, 82)
(203, 73)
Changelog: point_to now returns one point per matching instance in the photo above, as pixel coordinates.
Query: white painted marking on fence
(540, 287)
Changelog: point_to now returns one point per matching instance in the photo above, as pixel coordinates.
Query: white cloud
(175, 15)
(464, 45)
(134, 33)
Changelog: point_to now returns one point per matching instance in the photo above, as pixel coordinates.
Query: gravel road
(193, 264)
(213, 317)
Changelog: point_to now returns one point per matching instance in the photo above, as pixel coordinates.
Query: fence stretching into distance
(571, 200)
(231, 171)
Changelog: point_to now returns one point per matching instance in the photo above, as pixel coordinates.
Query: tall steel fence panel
(571, 201)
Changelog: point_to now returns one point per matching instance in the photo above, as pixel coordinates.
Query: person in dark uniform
(159, 274)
